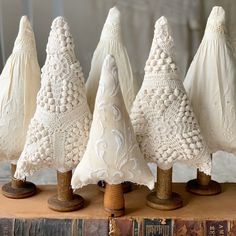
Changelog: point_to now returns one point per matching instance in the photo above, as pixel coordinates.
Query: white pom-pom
(172, 66)
(168, 60)
(171, 97)
(160, 62)
(176, 92)
(163, 55)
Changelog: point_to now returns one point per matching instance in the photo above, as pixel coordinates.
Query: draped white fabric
(86, 18)
(210, 85)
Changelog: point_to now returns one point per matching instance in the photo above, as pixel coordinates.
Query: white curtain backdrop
(86, 18)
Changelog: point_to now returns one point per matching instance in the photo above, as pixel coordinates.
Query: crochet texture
(58, 132)
(162, 117)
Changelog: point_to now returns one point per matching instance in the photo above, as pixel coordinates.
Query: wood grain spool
(164, 198)
(203, 185)
(126, 186)
(114, 203)
(65, 200)
(18, 189)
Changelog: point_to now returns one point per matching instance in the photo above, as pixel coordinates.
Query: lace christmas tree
(58, 132)
(112, 152)
(162, 117)
(111, 43)
(210, 84)
(19, 83)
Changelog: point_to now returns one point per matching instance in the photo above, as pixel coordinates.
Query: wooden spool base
(26, 189)
(65, 200)
(212, 188)
(164, 204)
(126, 186)
(114, 202)
(64, 206)
(163, 198)
(114, 212)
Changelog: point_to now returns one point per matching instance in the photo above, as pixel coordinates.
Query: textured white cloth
(112, 152)
(211, 85)
(162, 116)
(111, 42)
(186, 19)
(58, 132)
(19, 84)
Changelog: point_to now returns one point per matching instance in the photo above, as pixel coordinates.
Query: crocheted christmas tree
(162, 116)
(111, 42)
(210, 84)
(19, 82)
(58, 132)
(112, 153)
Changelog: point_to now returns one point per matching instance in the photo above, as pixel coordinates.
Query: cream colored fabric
(186, 20)
(58, 132)
(19, 84)
(211, 85)
(112, 152)
(162, 117)
(111, 42)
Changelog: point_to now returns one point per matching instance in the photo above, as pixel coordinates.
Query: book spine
(6, 227)
(216, 228)
(94, 227)
(157, 227)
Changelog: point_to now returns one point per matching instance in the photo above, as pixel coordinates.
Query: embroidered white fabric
(162, 117)
(111, 42)
(112, 152)
(211, 86)
(58, 132)
(19, 84)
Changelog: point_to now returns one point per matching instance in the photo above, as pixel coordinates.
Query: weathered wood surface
(31, 217)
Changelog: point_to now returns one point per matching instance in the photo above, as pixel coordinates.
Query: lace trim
(162, 35)
(163, 119)
(111, 32)
(58, 132)
(214, 28)
(25, 45)
(216, 21)
(160, 59)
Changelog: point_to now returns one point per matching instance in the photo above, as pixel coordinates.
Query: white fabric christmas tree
(58, 132)
(112, 152)
(162, 116)
(111, 42)
(19, 83)
(211, 85)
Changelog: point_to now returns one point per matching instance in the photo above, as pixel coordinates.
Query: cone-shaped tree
(111, 42)
(58, 132)
(19, 83)
(162, 116)
(112, 153)
(211, 85)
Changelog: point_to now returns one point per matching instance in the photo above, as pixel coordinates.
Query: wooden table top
(218, 207)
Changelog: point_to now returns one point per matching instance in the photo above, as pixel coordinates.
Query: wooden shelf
(221, 206)
(200, 214)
